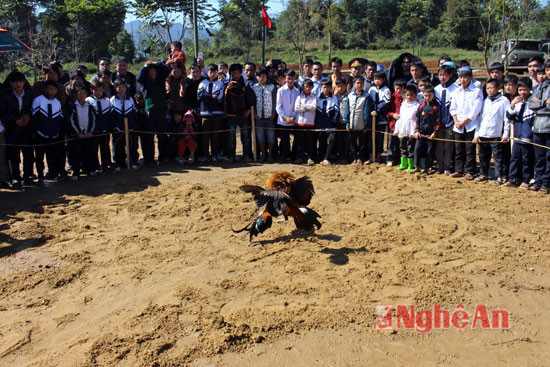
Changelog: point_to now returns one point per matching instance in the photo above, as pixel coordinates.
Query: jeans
(263, 134)
(485, 152)
(241, 122)
(542, 160)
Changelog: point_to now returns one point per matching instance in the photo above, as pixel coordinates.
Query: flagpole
(263, 34)
(263, 44)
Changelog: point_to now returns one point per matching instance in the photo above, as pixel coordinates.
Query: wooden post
(127, 137)
(511, 135)
(253, 132)
(373, 156)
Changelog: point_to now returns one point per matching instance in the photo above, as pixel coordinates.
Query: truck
(520, 51)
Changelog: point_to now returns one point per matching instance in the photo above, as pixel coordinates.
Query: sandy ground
(142, 269)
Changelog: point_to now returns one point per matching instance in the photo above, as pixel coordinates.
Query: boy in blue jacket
(123, 106)
(326, 118)
(47, 120)
(521, 117)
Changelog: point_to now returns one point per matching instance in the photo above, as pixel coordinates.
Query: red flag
(265, 18)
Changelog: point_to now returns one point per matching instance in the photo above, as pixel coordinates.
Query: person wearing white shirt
(494, 127)
(466, 106)
(304, 139)
(445, 149)
(286, 98)
(82, 143)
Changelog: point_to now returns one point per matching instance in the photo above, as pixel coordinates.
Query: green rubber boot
(411, 165)
(404, 164)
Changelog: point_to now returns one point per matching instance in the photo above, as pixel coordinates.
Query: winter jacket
(75, 127)
(121, 108)
(47, 117)
(522, 117)
(357, 110)
(328, 112)
(10, 112)
(102, 114)
(428, 118)
(208, 105)
(536, 103)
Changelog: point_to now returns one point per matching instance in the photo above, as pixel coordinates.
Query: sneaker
(389, 163)
(28, 181)
(74, 178)
(219, 157)
(202, 159)
(310, 162)
(447, 173)
(214, 159)
(117, 169)
(14, 184)
(93, 173)
(191, 160)
(135, 166)
(326, 162)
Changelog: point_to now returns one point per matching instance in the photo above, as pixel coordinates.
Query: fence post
(127, 138)
(373, 156)
(254, 147)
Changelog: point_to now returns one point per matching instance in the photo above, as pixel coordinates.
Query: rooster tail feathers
(307, 220)
(262, 222)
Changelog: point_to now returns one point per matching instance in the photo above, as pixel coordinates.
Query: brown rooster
(285, 195)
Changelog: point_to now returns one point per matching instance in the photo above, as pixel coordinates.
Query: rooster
(285, 195)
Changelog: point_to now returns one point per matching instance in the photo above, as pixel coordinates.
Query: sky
(274, 7)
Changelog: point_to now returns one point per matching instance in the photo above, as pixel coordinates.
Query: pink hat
(189, 116)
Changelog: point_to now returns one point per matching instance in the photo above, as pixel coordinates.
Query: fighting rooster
(285, 195)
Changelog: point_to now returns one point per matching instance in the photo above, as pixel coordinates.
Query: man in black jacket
(15, 114)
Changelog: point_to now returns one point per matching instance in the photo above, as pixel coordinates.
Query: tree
(160, 15)
(123, 45)
(459, 27)
(241, 21)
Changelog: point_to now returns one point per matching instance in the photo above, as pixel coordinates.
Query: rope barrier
(266, 128)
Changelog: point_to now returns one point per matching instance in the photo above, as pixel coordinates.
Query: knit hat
(189, 116)
(450, 64)
(465, 71)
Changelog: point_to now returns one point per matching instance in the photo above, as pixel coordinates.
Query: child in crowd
(186, 138)
(327, 117)
(307, 68)
(47, 120)
(80, 133)
(317, 78)
(123, 107)
(445, 148)
(423, 82)
(210, 95)
(428, 121)
(286, 100)
(493, 130)
(540, 104)
(521, 117)
(405, 127)
(393, 115)
(541, 74)
(380, 95)
(265, 113)
(510, 87)
(304, 138)
(342, 142)
(357, 105)
(102, 114)
(466, 106)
